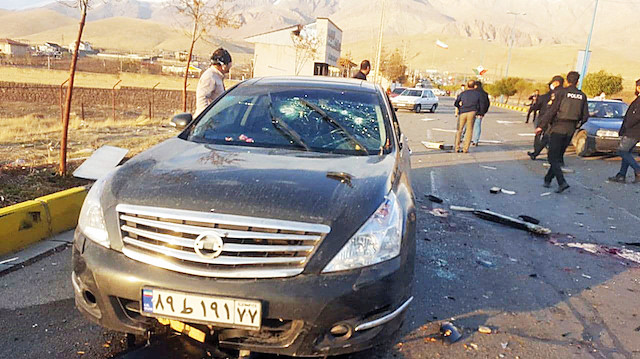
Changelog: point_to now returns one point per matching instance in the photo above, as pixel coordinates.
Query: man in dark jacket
(365, 68)
(484, 108)
(568, 110)
(468, 105)
(533, 99)
(629, 138)
(542, 105)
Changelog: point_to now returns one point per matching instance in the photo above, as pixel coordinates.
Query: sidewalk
(14, 261)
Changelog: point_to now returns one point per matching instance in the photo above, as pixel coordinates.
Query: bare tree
(202, 15)
(83, 6)
(306, 44)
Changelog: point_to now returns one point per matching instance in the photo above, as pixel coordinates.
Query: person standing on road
(468, 105)
(484, 108)
(211, 83)
(542, 105)
(629, 138)
(533, 99)
(365, 68)
(567, 112)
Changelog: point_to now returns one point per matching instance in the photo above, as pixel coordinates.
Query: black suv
(280, 220)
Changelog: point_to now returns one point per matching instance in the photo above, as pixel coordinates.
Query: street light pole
(377, 72)
(515, 17)
(583, 72)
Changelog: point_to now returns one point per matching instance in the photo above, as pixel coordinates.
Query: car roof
(313, 81)
(417, 88)
(605, 100)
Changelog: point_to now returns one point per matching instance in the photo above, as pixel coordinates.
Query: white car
(439, 92)
(416, 99)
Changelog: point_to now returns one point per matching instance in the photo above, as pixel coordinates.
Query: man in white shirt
(211, 84)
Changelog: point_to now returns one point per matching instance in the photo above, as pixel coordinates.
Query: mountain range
(489, 23)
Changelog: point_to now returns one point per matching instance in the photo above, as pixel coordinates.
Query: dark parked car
(280, 220)
(600, 133)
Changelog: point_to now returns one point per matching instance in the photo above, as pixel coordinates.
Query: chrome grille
(253, 247)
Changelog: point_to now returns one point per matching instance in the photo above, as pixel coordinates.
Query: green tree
(393, 67)
(602, 81)
(507, 86)
(492, 90)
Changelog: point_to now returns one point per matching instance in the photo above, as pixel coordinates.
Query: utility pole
(511, 40)
(377, 73)
(583, 72)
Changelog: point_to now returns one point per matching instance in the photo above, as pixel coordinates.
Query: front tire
(417, 109)
(433, 108)
(582, 145)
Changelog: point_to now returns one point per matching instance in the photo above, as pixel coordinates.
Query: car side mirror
(181, 120)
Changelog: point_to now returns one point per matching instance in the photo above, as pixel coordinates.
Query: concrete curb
(32, 221)
(510, 107)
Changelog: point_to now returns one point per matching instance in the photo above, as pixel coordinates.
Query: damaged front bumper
(306, 315)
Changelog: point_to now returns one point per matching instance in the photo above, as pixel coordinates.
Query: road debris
(437, 146)
(9, 260)
(490, 141)
(489, 167)
(586, 276)
(103, 160)
(444, 130)
(625, 243)
(495, 190)
(512, 222)
(450, 332)
(545, 194)
(505, 191)
(429, 119)
(529, 219)
(484, 330)
(433, 198)
(440, 212)
(464, 209)
(504, 345)
(474, 346)
(602, 249)
(485, 263)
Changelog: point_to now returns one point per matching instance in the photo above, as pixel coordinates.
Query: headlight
(91, 221)
(378, 240)
(607, 133)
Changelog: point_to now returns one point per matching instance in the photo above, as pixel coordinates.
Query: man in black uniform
(630, 136)
(568, 111)
(532, 102)
(365, 68)
(542, 105)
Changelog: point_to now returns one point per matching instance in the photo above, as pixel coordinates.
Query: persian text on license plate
(227, 312)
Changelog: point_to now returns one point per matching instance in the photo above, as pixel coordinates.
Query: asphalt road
(540, 297)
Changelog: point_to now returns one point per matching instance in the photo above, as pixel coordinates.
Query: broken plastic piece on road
(433, 198)
(437, 146)
(545, 194)
(489, 167)
(512, 222)
(440, 212)
(495, 190)
(485, 263)
(601, 249)
(465, 209)
(586, 276)
(504, 345)
(450, 332)
(484, 330)
(506, 191)
(529, 219)
(474, 346)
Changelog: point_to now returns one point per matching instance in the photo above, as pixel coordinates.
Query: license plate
(224, 312)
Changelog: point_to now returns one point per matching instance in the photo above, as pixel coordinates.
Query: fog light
(89, 297)
(340, 331)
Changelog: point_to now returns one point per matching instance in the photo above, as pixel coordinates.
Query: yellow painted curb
(28, 222)
(510, 107)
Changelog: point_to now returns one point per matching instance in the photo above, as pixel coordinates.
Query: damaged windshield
(308, 119)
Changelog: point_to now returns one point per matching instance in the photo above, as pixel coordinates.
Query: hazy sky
(24, 4)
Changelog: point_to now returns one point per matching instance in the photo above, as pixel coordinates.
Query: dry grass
(34, 141)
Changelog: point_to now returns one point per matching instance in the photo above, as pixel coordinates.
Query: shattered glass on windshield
(312, 119)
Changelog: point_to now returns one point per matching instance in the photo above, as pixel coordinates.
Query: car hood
(250, 181)
(607, 124)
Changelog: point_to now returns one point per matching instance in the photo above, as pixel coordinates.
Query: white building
(13, 48)
(84, 47)
(303, 50)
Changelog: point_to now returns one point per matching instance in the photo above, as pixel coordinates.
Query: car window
(412, 93)
(607, 109)
(322, 120)
(430, 93)
(398, 91)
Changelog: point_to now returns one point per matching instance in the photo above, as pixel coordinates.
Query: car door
(424, 98)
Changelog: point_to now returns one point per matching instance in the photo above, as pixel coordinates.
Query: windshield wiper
(286, 129)
(331, 121)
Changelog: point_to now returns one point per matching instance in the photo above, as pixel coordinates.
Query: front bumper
(609, 144)
(298, 312)
(404, 106)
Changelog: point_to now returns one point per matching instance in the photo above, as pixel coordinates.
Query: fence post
(82, 110)
(152, 100)
(113, 93)
(62, 100)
